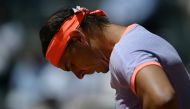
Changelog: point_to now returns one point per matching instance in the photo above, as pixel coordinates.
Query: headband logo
(79, 9)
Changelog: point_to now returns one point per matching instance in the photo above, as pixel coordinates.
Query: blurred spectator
(11, 34)
(24, 84)
(11, 40)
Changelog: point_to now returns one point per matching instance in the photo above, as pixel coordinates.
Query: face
(82, 59)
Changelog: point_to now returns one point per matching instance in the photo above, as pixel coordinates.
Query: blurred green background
(27, 81)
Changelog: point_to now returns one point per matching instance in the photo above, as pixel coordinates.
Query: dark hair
(89, 23)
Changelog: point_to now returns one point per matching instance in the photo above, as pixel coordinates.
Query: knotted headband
(60, 40)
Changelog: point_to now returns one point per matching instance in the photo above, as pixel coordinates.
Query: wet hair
(52, 26)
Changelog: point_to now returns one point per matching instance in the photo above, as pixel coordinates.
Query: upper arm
(152, 79)
(153, 86)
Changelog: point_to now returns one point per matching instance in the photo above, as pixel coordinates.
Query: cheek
(84, 60)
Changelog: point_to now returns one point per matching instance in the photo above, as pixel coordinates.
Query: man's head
(84, 50)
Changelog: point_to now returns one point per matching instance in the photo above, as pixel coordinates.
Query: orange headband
(61, 38)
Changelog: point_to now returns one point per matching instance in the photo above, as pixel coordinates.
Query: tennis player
(146, 71)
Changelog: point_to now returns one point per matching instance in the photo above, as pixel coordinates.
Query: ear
(78, 37)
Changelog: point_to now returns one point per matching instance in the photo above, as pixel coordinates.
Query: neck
(111, 35)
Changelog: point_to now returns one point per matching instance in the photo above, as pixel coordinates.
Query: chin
(103, 70)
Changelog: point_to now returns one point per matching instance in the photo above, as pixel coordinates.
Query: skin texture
(87, 55)
(154, 89)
